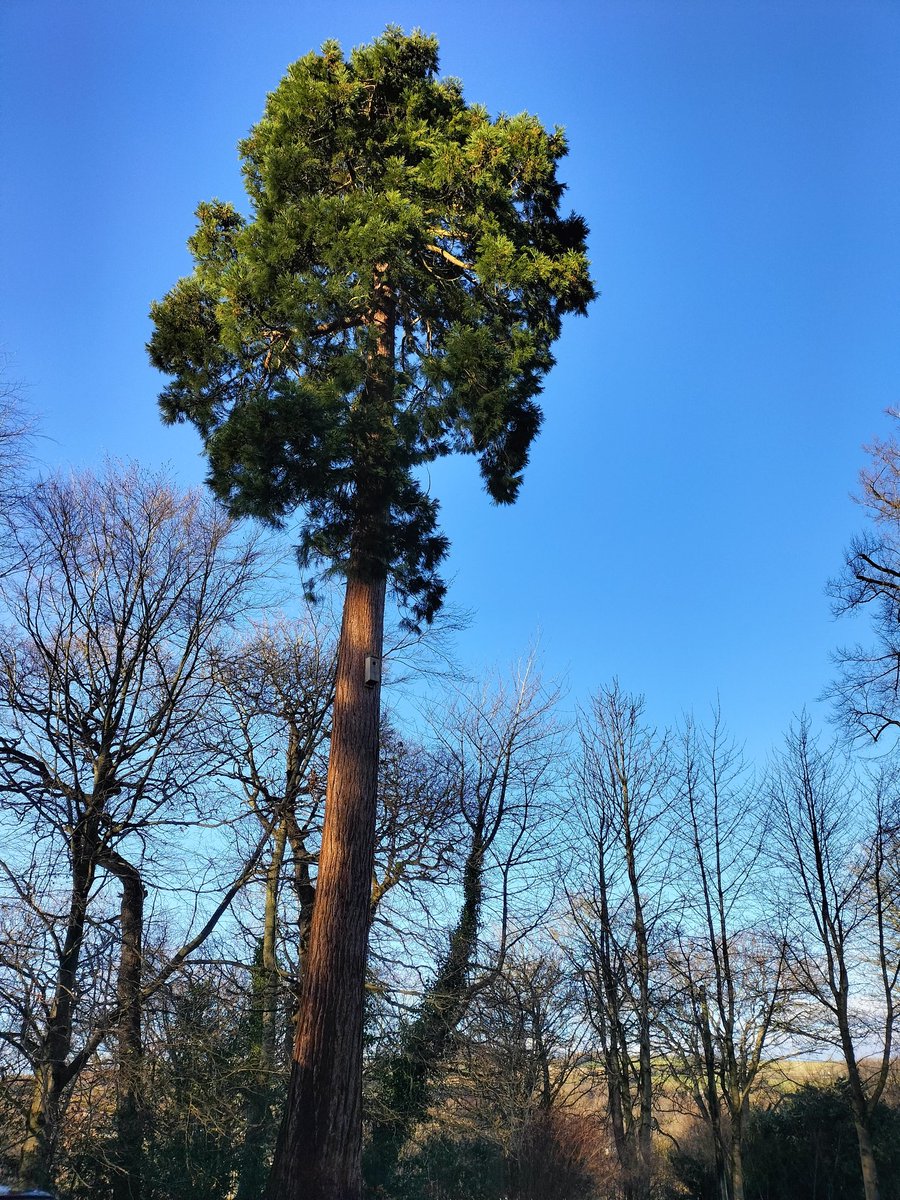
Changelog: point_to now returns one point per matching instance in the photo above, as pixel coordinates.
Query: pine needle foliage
(373, 185)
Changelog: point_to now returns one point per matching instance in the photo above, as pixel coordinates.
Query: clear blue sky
(739, 165)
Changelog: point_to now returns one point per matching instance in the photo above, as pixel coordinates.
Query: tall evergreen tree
(393, 297)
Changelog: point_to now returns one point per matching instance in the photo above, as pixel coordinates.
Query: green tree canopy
(393, 297)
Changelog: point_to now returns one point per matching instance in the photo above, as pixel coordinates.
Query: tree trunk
(644, 1147)
(304, 889)
(127, 1157)
(426, 1039)
(614, 1040)
(50, 1075)
(319, 1149)
(305, 893)
(41, 1127)
(737, 1161)
(860, 1105)
(867, 1159)
(252, 1178)
(711, 1094)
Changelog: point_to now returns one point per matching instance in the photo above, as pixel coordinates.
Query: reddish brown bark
(319, 1150)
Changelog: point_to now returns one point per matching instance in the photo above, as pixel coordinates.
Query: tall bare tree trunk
(867, 1160)
(711, 1094)
(51, 1076)
(609, 1013)
(861, 1105)
(425, 1041)
(644, 1146)
(127, 1159)
(737, 1163)
(319, 1150)
(252, 1177)
(42, 1123)
(302, 860)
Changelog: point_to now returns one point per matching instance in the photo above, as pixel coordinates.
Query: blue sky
(739, 166)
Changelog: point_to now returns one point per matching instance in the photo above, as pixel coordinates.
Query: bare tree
(837, 834)
(104, 693)
(417, 847)
(499, 749)
(279, 684)
(618, 908)
(34, 906)
(17, 430)
(201, 1033)
(726, 958)
(867, 690)
(523, 1043)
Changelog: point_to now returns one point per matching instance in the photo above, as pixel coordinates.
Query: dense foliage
(393, 297)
